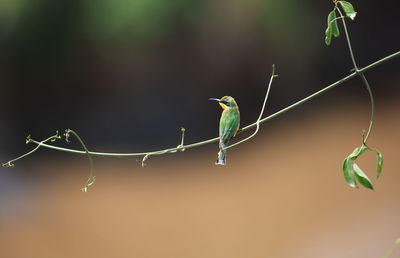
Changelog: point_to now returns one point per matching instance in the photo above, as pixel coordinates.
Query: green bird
(228, 125)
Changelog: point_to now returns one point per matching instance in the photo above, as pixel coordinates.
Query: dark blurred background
(127, 75)
(131, 73)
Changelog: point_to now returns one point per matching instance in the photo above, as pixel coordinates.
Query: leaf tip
(327, 41)
(379, 164)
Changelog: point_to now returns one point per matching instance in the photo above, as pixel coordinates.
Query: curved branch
(39, 144)
(273, 75)
(188, 146)
(360, 72)
(91, 178)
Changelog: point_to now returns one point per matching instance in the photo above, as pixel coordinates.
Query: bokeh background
(127, 75)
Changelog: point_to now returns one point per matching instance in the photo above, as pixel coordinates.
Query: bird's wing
(228, 128)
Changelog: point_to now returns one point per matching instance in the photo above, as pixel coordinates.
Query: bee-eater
(228, 125)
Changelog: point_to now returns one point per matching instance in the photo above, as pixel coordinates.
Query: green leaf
(328, 36)
(348, 9)
(361, 177)
(333, 24)
(380, 163)
(357, 152)
(332, 28)
(348, 172)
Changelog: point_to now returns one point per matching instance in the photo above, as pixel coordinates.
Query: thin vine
(91, 178)
(351, 170)
(273, 75)
(212, 140)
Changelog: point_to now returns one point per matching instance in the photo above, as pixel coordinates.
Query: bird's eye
(225, 102)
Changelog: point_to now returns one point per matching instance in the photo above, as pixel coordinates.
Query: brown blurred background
(126, 75)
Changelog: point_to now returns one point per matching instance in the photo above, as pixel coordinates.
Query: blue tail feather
(221, 160)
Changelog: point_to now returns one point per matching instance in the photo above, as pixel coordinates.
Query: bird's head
(226, 102)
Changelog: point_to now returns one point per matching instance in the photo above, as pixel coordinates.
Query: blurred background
(127, 75)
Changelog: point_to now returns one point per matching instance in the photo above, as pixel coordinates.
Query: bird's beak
(215, 99)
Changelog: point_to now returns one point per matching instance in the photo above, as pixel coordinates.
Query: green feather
(228, 126)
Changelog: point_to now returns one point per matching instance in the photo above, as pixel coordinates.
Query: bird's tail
(221, 160)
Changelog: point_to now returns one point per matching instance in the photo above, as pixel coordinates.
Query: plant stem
(28, 140)
(180, 148)
(364, 79)
(348, 41)
(273, 75)
(91, 178)
(371, 97)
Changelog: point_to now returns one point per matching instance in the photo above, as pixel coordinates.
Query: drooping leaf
(332, 28)
(362, 177)
(348, 172)
(348, 9)
(334, 25)
(380, 163)
(328, 36)
(357, 152)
